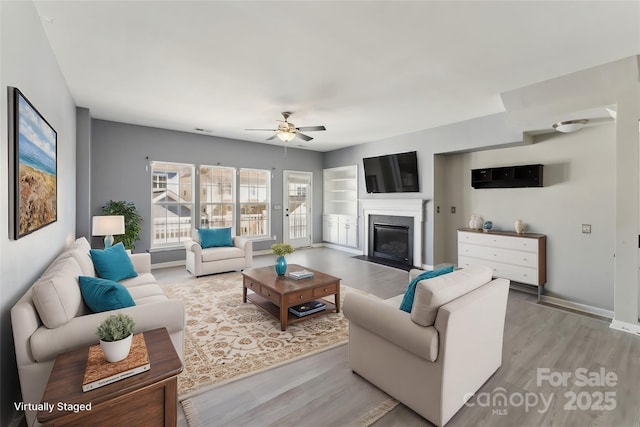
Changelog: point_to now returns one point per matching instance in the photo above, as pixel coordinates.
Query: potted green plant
(132, 220)
(116, 335)
(281, 249)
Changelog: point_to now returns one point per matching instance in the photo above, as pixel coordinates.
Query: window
(217, 196)
(255, 201)
(171, 203)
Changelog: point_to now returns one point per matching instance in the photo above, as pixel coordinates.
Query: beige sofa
(203, 261)
(436, 357)
(51, 318)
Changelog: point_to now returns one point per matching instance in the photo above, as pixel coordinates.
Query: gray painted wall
(579, 183)
(119, 154)
(83, 172)
(487, 131)
(27, 62)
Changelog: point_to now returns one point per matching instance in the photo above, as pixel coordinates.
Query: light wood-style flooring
(538, 339)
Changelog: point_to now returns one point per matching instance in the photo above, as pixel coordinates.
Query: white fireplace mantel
(399, 207)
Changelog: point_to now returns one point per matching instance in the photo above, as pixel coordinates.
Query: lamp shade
(108, 225)
(286, 136)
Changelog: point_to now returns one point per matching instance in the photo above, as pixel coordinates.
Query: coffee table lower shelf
(274, 310)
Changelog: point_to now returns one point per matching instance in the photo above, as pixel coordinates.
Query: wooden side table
(149, 398)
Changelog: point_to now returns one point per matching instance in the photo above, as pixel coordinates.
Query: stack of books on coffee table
(307, 308)
(301, 274)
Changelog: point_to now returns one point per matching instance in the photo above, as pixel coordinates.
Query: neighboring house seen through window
(171, 203)
(225, 197)
(255, 202)
(217, 196)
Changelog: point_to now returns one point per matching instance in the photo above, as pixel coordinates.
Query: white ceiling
(365, 70)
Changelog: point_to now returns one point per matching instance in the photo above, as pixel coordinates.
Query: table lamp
(107, 226)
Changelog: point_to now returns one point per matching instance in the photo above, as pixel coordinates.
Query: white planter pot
(115, 351)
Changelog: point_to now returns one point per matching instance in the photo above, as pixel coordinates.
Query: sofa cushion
(140, 279)
(104, 295)
(144, 291)
(56, 295)
(215, 237)
(84, 261)
(217, 254)
(433, 293)
(113, 263)
(407, 300)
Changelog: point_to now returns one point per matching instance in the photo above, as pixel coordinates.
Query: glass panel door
(297, 208)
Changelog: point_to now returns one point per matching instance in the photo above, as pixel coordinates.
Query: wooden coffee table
(275, 294)
(149, 398)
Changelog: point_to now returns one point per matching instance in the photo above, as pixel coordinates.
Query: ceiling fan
(286, 130)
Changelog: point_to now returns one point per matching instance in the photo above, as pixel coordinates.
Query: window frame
(267, 232)
(181, 235)
(234, 204)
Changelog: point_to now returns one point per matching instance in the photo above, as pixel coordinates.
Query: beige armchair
(436, 357)
(202, 261)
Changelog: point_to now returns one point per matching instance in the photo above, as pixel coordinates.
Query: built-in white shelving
(340, 219)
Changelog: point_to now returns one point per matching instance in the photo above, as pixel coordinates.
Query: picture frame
(33, 167)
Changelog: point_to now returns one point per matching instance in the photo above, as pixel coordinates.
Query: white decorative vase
(476, 222)
(115, 351)
(520, 226)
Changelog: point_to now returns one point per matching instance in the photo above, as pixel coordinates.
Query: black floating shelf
(507, 177)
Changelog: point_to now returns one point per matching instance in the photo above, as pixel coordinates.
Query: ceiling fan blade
(311, 128)
(272, 137)
(303, 136)
(270, 130)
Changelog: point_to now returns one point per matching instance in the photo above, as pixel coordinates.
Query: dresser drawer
(498, 241)
(325, 290)
(300, 297)
(515, 273)
(509, 256)
(506, 271)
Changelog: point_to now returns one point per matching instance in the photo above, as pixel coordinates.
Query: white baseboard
(625, 327)
(168, 264)
(577, 306)
(353, 251)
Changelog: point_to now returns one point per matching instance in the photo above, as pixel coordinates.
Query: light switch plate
(586, 228)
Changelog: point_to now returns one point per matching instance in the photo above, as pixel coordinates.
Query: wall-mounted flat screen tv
(393, 173)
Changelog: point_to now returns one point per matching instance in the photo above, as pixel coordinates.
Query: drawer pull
(300, 296)
(325, 289)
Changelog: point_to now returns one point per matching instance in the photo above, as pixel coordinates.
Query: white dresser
(517, 257)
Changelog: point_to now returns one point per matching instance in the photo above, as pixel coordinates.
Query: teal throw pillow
(215, 237)
(113, 263)
(104, 295)
(407, 300)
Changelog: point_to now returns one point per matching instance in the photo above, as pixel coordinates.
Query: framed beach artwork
(33, 167)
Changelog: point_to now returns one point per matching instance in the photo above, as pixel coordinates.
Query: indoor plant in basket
(116, 334)
(281, 249)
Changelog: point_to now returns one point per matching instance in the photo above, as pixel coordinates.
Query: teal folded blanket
(409, 294)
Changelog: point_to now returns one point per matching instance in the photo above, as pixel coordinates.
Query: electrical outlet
(453, 209)
(586, 228)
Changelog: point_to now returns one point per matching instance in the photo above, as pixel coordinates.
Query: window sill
(167, 248)
(259, 238)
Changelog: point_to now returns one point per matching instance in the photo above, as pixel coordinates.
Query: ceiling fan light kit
(570, 125)
(286, 130)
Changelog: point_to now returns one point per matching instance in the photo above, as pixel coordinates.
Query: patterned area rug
(227, 339)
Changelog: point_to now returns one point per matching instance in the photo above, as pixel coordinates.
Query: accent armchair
(436, 357)
(202, 261)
